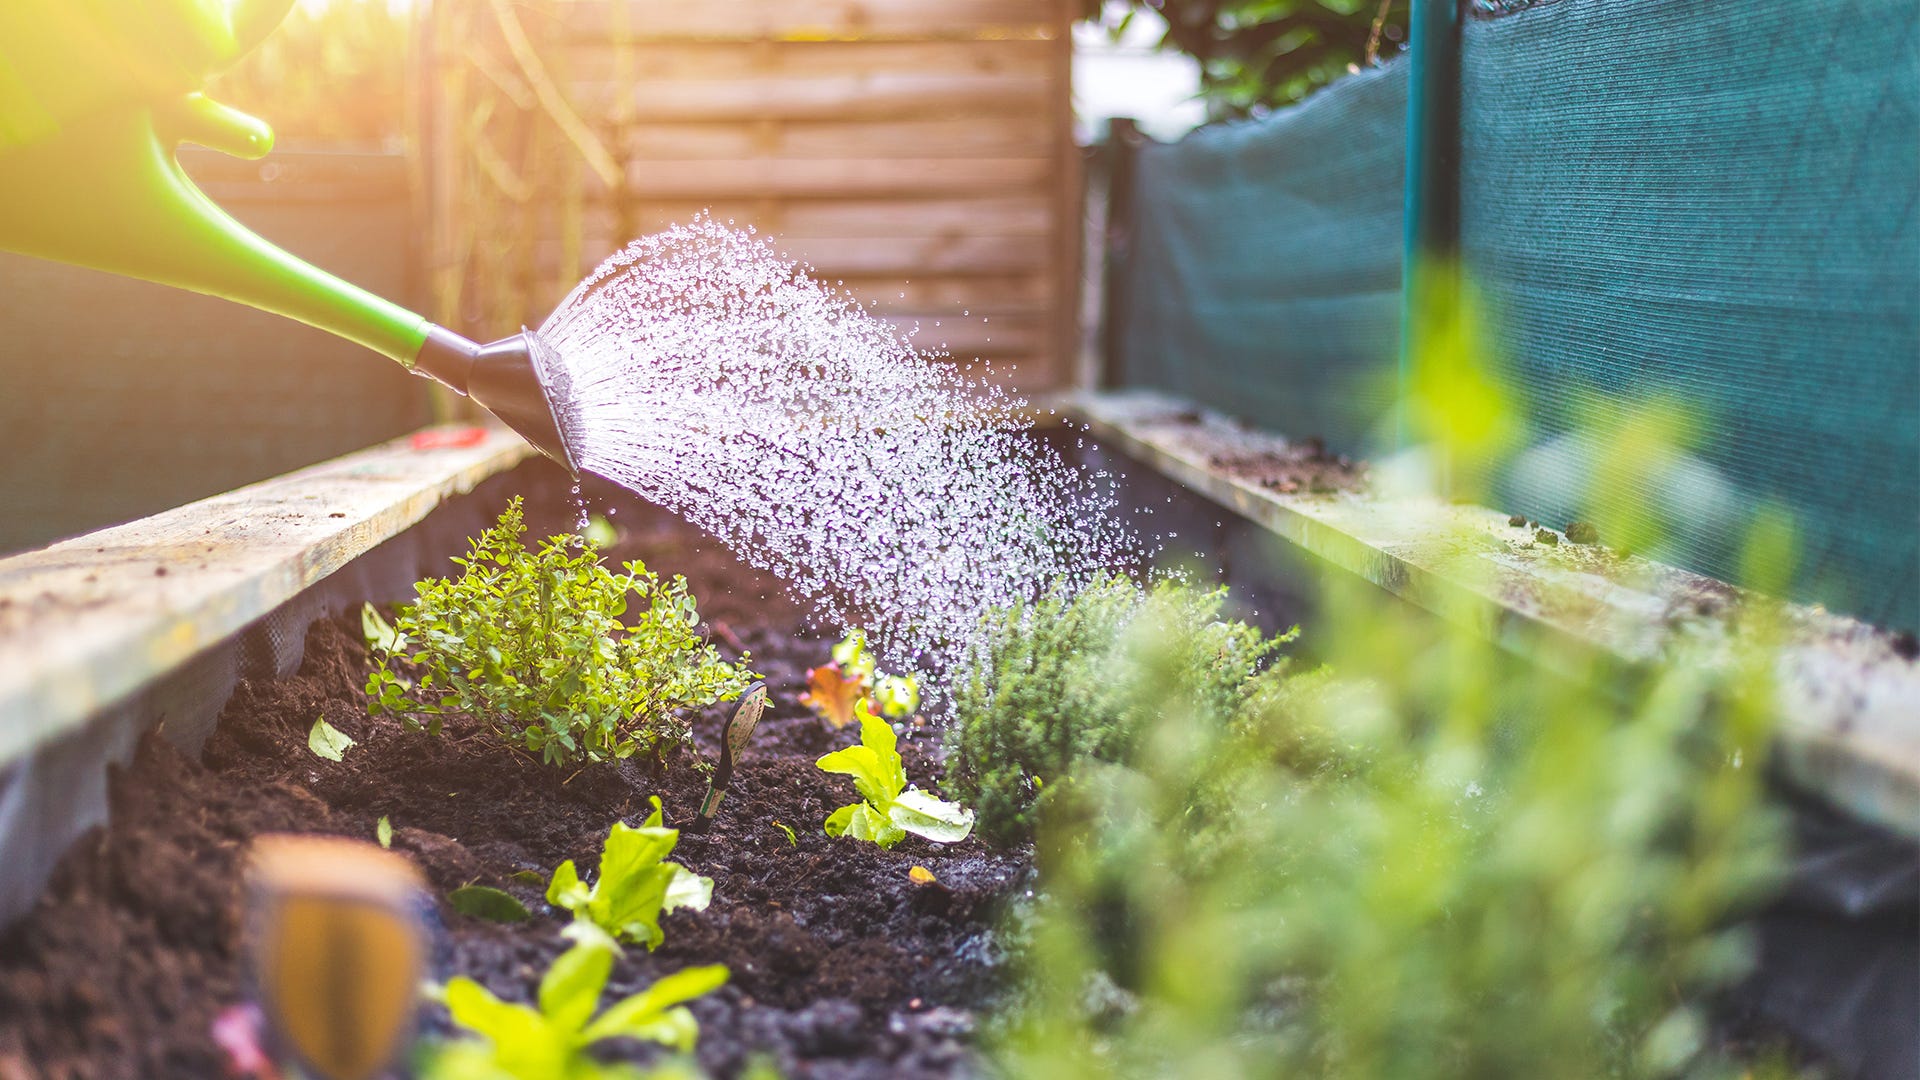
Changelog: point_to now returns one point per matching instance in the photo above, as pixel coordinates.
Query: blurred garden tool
(338, 951)
(95, 97)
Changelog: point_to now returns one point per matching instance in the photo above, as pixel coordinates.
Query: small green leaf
(380, 635)
(792, 839)
(483, 902)
(530, 877)
(383, 832)
(571, 987)
(327, 741)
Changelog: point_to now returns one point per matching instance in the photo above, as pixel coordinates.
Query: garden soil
(842, 965)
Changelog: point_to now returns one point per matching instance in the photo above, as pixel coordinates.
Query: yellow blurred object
(339, 950)
(920, 875)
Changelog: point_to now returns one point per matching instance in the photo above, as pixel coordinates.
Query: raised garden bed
(842, 964)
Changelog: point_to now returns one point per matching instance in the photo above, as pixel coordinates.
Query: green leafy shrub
(550, 1041)
(888, 809)
(1054, 683)
(635, 884)
(549, 648)
(1505, 874)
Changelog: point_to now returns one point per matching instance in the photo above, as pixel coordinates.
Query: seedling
(635, 885)
(550, 1042)
(888, 809)
(835, 689)
(733, 741)
(544, 646)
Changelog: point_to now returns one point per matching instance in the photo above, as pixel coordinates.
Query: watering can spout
(94, 100)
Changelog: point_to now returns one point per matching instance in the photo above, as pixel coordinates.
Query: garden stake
(97, 99)
(733, 740)
(338, 951)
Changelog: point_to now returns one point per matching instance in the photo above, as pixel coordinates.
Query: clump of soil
(1305, 465)
(842, 965)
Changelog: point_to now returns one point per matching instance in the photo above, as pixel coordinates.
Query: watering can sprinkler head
(516, 379)
(94, 100)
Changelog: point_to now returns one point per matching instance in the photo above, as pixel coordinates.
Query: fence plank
(928, 137)
(755, 20)
(1002, 215)
(792, 178)
(588, 62)
(880, 96)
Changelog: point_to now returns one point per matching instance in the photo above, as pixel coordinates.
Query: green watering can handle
(95, 95)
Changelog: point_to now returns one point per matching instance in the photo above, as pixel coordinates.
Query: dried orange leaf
(832, 693)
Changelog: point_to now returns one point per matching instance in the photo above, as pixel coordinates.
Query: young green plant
(835, 689)
(635, 884)
(550, 1041)
(563, 657)
(888, 809)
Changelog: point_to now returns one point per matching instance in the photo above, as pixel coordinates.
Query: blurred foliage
(333, 70)
(1054, 684)
(1431, 858)
(1257, 55)
(1483, 870)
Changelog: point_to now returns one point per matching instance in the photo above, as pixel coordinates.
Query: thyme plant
(1055, 684)
(563, 657)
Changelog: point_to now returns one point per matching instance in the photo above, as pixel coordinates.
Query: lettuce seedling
(635, 885)
(559, 654)
(888, 809)
(550, 1041)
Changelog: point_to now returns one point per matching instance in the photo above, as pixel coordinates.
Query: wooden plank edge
(87, 622)
(1847, 704)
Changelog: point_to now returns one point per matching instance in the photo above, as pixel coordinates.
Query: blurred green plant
(1433, 857)
(542, 646)
(835, 689)
(636, 885)
(1257, 55)
(333, 70)
(1501, 873)
(1054, 683)
(550, 1041)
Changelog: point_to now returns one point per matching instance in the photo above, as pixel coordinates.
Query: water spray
(95, 100)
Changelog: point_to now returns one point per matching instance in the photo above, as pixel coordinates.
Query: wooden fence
(920, 151)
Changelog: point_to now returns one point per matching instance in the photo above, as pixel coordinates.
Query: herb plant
(888, 809)
(550, 648)
(1056, 683)
(550, 1041)
(635, 886)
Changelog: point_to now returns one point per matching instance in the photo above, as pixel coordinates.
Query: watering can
(95, 97)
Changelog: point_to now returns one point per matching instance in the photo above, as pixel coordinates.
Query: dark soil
(842, 966)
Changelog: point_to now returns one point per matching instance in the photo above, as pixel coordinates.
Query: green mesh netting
(1264, 274)
(1710, 204)
(1714, 203)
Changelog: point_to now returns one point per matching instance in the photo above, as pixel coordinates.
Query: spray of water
(890, 488)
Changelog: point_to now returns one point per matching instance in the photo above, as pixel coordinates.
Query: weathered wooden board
(1848, 704)
(87, 622)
